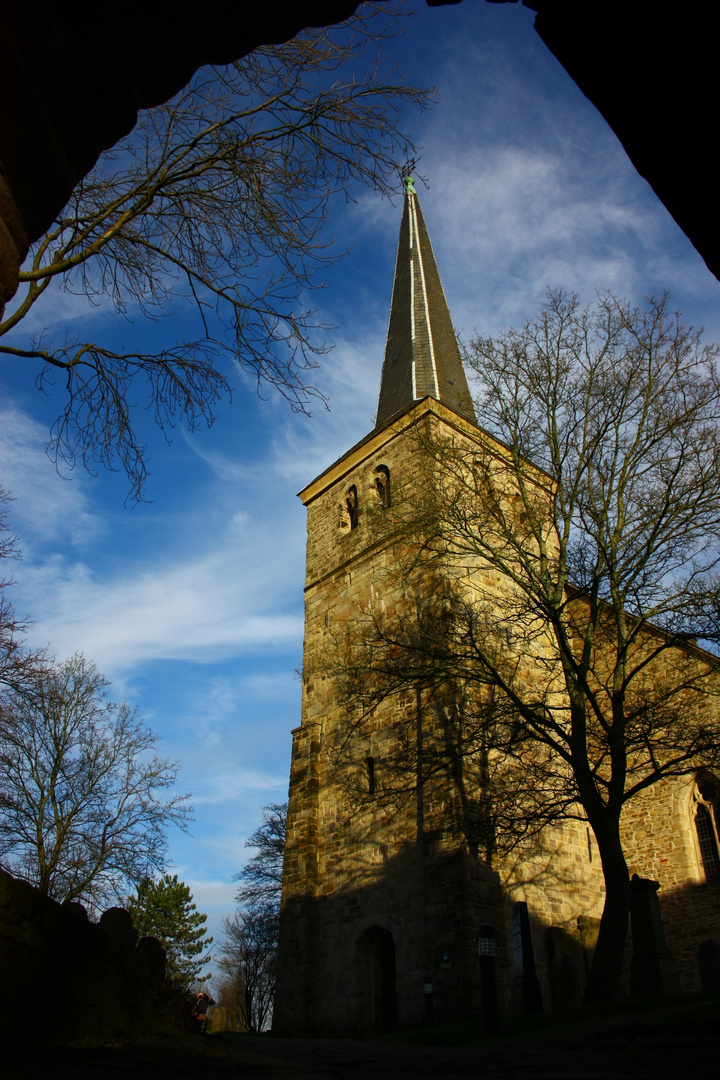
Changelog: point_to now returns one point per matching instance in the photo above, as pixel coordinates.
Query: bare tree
(217, 200)
(18, 664)
(248, 955)
(82, 812)
(261, 877)
(579, 544)
(248, 959)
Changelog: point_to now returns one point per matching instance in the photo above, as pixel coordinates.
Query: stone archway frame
(375, 975)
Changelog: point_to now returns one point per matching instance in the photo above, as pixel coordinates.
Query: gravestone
(709, 964)
(589, 928)
(653, 972)
(218, 1020)
(567, 974)
(527, 994)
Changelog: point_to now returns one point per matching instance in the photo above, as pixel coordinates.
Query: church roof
(422, 357)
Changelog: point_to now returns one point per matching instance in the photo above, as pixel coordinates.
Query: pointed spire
(421, 355)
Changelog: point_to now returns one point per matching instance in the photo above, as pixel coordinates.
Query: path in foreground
(667, 1044)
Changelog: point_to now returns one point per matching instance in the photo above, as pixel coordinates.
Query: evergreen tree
(165, 910)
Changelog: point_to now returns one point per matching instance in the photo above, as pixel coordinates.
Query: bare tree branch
(560, 576)
(218, 201)
(261, 877)
(83, 812)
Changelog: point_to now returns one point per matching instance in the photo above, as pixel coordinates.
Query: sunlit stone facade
(379, 901)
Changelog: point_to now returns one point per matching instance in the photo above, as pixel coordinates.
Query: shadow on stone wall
(356, 961)
(691, 919)
(65, 979)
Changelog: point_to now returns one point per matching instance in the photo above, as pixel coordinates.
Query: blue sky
(192, 603)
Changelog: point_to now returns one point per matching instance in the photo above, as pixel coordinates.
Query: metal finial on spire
(410, 185)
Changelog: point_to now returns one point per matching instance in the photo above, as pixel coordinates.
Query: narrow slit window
(382, 486)
(370, 769)
(351, 504)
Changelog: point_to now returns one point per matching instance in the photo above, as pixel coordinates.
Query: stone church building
(382, 906)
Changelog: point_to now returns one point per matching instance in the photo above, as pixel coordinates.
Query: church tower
(387, 879)
(372, 907)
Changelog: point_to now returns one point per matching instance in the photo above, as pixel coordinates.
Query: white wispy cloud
(222, 603)
(47, 504)
(227, 783)
(59, 313)
(211, 896)
(528, 188)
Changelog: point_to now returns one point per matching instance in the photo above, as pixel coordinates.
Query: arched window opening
(707, 800)
(370, 767)
(376, 981)
(351, 504)
(520, 510)
(382, 485)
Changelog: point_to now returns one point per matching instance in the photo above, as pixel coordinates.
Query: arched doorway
(376, 970)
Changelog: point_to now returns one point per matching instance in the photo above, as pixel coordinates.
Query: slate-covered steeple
(421, 355)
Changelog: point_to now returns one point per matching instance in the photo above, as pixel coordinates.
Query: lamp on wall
(427, 984)
(488, 979)
(486, 945)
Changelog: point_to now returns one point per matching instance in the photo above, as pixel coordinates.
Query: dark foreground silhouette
(662, 1044)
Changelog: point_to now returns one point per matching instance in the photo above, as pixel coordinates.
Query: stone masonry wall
(352, 866)
(661, 843)
(66, 979)
(357, 867)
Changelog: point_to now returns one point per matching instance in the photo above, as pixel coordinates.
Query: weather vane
(405, 173)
